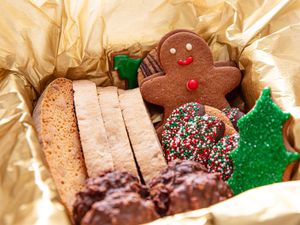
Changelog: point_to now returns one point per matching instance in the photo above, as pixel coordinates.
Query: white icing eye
(173, 50)
(189, 46)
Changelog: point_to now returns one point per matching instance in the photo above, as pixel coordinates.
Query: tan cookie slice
(118, 140)
(93, 136)
(190, 74)
(55, 121)
(229, 129)
(142, 135)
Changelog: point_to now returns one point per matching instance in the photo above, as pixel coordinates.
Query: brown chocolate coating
(121, 208)
(234, 114)
(97, 188)
(170, 90)
(229, 129)
(117, 198)
(186, 185)
(196, 191)
(150, 64)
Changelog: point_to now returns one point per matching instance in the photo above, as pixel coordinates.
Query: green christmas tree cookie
(127, 68)
(261, 156)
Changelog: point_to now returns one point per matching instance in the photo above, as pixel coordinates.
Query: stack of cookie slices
(112, 165)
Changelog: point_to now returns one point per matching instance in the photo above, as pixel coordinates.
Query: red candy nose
(192, 85)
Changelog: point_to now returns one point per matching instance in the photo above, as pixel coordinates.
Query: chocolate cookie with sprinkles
(234, 114)
(191, 134)
(218, 160)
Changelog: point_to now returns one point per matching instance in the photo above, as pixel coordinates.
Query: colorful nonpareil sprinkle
(234, 114)
(218, 160)
(190, 134)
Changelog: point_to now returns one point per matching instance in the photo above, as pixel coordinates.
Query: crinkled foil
(44, 39)
(269, 205)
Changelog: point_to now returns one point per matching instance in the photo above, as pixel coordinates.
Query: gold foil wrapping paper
(269, 205)
(44, 39)
(27, 193)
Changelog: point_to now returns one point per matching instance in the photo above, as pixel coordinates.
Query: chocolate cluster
(186, 185)
(119, 198)
(121, 208)
(111, 196)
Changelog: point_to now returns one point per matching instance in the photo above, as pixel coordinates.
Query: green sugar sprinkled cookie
(262, 155)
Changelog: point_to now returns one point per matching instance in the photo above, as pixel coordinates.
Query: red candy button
(192, 85)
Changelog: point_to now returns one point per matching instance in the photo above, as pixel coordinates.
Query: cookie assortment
(202, 152)
(190, 75)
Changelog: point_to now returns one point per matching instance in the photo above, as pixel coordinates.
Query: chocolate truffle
(106, 183)
(186, 185)
(121, 209)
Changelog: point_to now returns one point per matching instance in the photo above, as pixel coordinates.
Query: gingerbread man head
(190, 74)
(183, 51)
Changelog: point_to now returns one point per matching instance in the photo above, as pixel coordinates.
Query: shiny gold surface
(44, 39)
(269, 205)
(27, 193)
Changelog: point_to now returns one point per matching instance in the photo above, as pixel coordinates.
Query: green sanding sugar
(127, 68)
(261, 157)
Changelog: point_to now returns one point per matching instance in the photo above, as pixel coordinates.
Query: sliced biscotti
(142, 135)
(91, 128)
(118, 141)
(55, 121)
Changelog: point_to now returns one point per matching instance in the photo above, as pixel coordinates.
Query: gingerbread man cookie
(190, 74)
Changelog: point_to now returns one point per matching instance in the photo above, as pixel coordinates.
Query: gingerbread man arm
(231, 76)
(152, 89)
(150, 77)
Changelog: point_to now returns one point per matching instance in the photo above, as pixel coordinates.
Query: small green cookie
(127, 68)
(261, 156)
